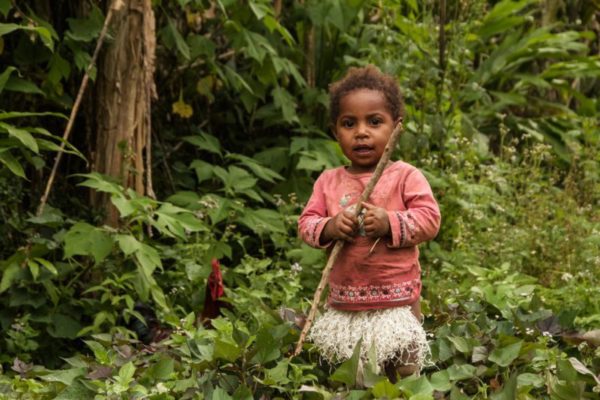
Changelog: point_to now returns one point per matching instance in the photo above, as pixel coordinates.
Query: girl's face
(363, 128)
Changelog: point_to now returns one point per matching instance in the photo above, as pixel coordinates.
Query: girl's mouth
(362, 149)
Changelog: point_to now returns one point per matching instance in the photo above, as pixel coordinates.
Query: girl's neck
(354, 171)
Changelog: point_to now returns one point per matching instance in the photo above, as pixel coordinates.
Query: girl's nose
(361, 131)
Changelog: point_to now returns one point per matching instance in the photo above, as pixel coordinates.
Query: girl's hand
(376, 221)
(341, 227)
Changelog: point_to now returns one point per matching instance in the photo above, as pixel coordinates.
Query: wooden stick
(117, 4)
(385, 158)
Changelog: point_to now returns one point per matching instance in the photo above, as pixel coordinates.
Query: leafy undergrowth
(508, 294)
(508, 300)
(489, 340)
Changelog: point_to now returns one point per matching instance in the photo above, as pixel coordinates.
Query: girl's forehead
(364, 100)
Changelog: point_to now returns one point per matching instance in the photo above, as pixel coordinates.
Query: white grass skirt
(396, 332)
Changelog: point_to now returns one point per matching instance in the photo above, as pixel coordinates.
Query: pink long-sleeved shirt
(389, 276)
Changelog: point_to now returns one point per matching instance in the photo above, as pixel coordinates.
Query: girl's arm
(314, 217)
(421, 219)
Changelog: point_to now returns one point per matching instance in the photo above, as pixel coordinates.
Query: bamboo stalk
(385, 158)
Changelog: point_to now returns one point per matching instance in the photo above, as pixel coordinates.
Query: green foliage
(504, 126)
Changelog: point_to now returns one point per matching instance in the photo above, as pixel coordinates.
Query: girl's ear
(398, 120)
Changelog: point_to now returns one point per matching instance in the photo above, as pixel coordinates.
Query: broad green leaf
(504, 356)
(263, 221)
(101, 183)
(11, 163)
(8, 28)
(148, 258)
(128, 244)
(201, 46)
(205, 141)
(529, 379)
(5, 6)
(243, 392)
(236, 80)
(75, 391)
(65, 376)
(16, 84)
(126, 373)
(460, 372)
(220, 394)
(100, 353)
(461, 344)
(59, 69)
(582, 369)
(4, 76)
(227, 350)
(9, 275)
(163, 368)
(347, 372)
(414, 385)
(34, 269)
(385, 389)
(204, 170)
(370, 368)
(86, 240)
(86, 29)
(22, 135)
(50, 216)
(267, 347)
(480, 353)
(259, 170)
(286, 103)
(64, 326)
(159, 298)
(259, 10)
(278, 374)
(440, 381)
(240, 179)
(45, 35)
(221, 209)
(180, 44)
(124, 205)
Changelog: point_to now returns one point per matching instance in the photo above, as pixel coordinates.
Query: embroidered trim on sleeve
(314, 223)
(411, 224)
(402, 229)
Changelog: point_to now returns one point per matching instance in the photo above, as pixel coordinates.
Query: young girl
(375, 284)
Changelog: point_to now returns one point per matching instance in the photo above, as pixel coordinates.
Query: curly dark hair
(369, 77)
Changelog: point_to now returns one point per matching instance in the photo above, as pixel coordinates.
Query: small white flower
(161, 388)
(566, 277)
(296, 268)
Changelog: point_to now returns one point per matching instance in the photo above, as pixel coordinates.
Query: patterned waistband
(375, 293)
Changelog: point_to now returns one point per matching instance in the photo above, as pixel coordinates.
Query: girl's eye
(375, 121)
(347, 123)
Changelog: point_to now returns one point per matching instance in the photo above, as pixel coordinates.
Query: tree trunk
(125, 88)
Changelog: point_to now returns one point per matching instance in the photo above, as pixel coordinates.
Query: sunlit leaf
(87, 240)
(504, 356)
